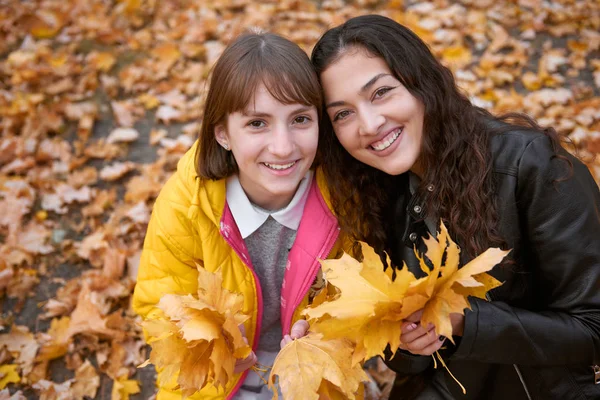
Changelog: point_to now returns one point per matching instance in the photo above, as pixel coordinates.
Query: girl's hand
(299, 329)
(248, 362)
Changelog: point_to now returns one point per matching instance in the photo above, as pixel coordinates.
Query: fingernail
(442, 338)
(411, 327)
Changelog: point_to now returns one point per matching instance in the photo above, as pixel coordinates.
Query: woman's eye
(256, 124)
(381, 91)
(303, 119)
(341, 115)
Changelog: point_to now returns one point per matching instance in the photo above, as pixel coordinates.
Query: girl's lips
(280, 166)
(281, 169)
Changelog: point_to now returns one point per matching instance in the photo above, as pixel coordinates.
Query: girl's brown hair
(249, 61)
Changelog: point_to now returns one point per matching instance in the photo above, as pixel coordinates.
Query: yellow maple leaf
(58, 342)
(445, 287)
(123, 387)
(310, 366)
(200, 339)
(368, 309)
(8, 374)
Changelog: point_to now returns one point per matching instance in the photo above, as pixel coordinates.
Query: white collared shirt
(249, 217)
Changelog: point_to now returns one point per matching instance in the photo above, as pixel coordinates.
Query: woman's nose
(370, 121)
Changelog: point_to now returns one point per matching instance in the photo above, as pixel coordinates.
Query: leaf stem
(447, 369)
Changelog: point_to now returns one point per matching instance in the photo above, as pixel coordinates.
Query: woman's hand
(422, 340)
(248, 362)
(299, 329)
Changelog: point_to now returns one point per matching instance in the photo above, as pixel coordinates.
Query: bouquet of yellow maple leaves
(199, 340)
(356, 318)
(367, 310)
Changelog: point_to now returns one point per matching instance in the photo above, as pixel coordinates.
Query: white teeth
(388, 142)
(280, 167)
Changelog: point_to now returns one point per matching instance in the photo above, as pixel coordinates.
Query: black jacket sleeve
(560, 223)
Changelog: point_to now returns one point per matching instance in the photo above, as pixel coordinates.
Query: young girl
(245, 201)
(405, 149)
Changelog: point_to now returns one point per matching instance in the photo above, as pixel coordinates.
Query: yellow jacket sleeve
(172, 247)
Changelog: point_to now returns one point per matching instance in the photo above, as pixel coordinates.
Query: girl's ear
(221, 136)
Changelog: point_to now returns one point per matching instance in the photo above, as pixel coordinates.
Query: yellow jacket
(192, 225)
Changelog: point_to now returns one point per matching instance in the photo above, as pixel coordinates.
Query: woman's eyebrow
(372, 81)
(363, 89)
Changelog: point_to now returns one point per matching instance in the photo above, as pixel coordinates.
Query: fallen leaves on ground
(72, 72)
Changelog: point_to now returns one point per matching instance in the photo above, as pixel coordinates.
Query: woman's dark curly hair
(455, 154)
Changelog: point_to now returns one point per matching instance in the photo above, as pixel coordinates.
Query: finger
(423, 342)
(242, 329)
(415, 334)
(433, 347)
(408, 327)
(242, 365)
(299, 329)
(415, 317)
(286, 339)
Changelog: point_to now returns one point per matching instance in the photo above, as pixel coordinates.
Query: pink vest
(316, 236)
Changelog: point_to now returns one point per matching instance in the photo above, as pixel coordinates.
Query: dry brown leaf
(86, 382)
(5, 394)
(123, 135)
(87, 318)
(23, 345)
(116, 171)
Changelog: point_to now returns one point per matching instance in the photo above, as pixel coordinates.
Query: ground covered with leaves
(99, 99)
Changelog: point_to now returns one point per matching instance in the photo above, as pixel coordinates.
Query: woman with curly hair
(402, 149)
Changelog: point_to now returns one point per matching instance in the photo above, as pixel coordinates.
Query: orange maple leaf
(200, 339)
(445, 288)
(368, 309)
(310, 366)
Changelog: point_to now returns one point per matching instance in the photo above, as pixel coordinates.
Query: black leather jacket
(541, 331)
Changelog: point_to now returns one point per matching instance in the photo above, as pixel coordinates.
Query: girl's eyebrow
(254, 113)
(363, 89)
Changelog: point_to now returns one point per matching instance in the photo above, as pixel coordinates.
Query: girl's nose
(282, 142)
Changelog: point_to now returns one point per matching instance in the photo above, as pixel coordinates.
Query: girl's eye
(381, 91)
(341, 115)
(303, 119)
(256, 124)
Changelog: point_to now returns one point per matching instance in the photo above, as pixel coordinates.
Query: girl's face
(377, 120)
(274, 145)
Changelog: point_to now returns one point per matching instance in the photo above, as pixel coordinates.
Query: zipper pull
(596, 369)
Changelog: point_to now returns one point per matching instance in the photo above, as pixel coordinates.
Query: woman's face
(274, 145)
(377, 120)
